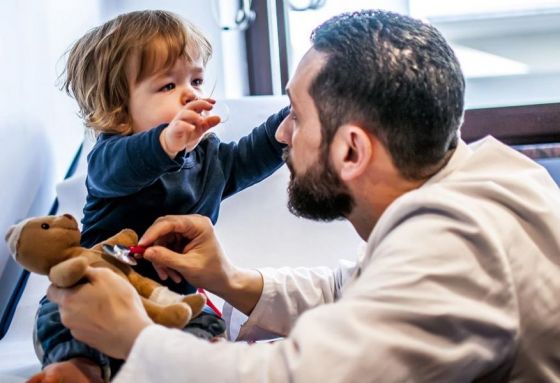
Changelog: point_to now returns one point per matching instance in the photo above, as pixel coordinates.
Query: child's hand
(185, 131)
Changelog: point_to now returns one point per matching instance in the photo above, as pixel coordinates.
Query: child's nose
(187, 96)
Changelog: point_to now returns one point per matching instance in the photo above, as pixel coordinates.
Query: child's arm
(254, 157)
(123, 165)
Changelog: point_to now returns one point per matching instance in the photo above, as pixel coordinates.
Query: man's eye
(292, 115)
(198, 82)
(167, 87)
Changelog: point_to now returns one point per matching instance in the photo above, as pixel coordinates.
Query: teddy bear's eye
(45, 226)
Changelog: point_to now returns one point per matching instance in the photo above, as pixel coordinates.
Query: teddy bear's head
(42, 242)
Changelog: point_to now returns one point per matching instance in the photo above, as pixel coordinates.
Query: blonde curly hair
(98, 63)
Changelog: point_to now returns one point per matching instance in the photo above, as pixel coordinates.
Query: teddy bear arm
(69, 272)
(145, 286)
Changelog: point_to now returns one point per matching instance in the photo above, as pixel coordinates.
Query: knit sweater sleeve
(254, 157)
(122, 165)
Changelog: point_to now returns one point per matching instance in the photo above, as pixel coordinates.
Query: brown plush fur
(51, 246)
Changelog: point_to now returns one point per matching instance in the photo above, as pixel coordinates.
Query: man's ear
(351, 151)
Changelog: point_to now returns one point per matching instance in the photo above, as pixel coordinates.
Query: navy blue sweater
(131, 182)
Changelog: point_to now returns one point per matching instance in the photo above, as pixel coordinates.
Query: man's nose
(284, 132)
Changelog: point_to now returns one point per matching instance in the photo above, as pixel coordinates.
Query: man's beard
(319, 193)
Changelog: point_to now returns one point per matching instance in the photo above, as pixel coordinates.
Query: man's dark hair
(397, 77)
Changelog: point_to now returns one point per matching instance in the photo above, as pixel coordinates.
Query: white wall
(33, 36)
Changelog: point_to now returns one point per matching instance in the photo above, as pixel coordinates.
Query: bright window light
(463, 9)
(476, 63)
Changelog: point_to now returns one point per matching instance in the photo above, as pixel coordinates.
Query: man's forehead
(308, 68)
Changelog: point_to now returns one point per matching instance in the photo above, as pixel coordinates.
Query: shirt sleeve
(292, 292)
(123, 165)
(254, 157)
(439, 312)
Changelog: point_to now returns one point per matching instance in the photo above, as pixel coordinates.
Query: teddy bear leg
(148, 288)
(69, 272)
(144, 286)
(175, 315)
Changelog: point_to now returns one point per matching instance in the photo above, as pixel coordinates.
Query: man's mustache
(285, 154)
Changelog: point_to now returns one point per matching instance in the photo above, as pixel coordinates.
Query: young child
(137, 80)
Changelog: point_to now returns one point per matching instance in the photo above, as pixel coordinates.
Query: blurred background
(509, 49)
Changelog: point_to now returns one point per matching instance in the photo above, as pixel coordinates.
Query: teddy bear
(50, 245)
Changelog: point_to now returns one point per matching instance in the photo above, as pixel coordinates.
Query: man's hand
(106, 313)
(78, 370)
(185, 131)
(188, 246)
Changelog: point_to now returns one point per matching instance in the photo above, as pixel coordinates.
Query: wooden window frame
(257, 42)
(514, 125)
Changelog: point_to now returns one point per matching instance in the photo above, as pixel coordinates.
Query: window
(300, 23)
(508, 49)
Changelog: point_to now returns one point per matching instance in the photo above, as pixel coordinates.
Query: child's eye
(167, 87)
(198, 82)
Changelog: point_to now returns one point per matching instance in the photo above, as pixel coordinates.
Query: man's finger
(94, 274)
(189, 226)
(175, 276)
(161, 272)
(55, 294)
(161, 227)
(163, 257)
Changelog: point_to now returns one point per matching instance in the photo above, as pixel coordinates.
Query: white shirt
(460, 281)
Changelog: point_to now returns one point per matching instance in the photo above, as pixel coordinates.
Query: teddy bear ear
(9, 232)
(12, 236)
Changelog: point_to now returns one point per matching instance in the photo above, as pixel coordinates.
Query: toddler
(138, 83)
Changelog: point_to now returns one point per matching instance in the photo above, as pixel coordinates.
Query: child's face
(158, 98)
